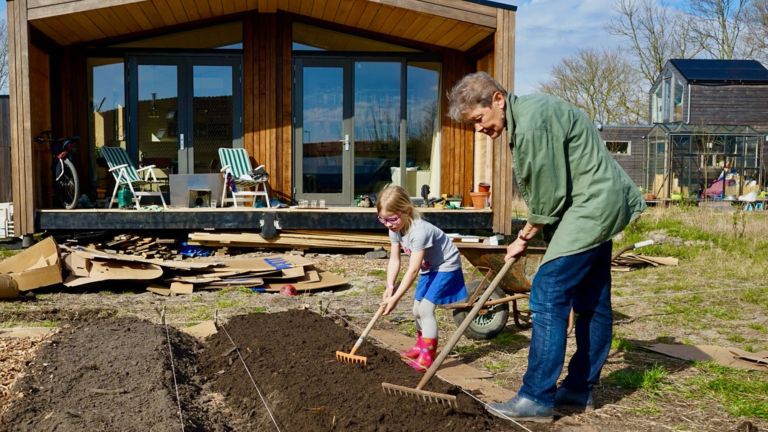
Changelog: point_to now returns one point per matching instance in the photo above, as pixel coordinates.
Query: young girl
(433, 257)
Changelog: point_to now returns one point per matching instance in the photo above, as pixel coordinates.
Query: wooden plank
(190, 8)
(91, 30)
(217, 8)
(463, 38)
(453, 34)
(138, 15)
(294, 6)
(177, 9)
(119, 25)
(392, 20)
(356, 12)
(204, 9)
(285, 192)
(417, 25)
(343, 11)
(73, 27)
(272, 5)
(467, 6)
(438, 9)
(429, 28)
(439, 32)
(368, 14)
(101, 23)
(405, 23)
(71, 7)
(61, 29)
(241, 6)
(331, 6)
(15, 108)
(306, 7)
(229, 6)
(481, 34)
(152, 14)
(51, 33)
(318, 7)
(381, 17)
(249, 42)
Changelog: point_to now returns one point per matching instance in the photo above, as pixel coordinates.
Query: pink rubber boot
(426, 356)
(413, 352)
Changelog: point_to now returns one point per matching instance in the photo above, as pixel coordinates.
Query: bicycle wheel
(67, 186)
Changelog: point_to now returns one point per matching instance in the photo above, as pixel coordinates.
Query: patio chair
(749, 200)
(127, 175)
(234, 161)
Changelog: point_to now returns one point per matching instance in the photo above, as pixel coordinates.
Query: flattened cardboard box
(36, 267)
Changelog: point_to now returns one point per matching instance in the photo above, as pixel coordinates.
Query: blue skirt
(441, 287)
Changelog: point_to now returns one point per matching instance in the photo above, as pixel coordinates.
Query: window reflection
(422, 130)
(106, 88)
(322, 121)
(310, 38)
(377, 125)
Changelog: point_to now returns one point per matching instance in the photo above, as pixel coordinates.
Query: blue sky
(549, 30)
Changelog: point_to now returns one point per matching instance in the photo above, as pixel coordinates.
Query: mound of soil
(111, 374)
(291, 356)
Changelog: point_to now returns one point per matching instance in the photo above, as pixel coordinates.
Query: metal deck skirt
(337, 218)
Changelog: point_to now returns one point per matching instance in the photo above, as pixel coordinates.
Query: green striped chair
(126, 175)
(235, 161)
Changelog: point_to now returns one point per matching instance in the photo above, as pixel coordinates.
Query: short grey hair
(475, 89)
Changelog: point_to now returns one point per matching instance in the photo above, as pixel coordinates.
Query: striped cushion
(237, 159)
(116, 156)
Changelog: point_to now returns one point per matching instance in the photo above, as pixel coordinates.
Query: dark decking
(251, 219)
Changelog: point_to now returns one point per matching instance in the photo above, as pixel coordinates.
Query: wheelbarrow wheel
(488, 325)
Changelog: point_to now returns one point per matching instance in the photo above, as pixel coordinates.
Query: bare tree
(602, 83)
(757, 31)
(655, 33)
(719, 25)
(3, 57)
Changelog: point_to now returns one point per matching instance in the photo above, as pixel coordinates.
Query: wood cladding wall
(267, 83)
(457, 139)
(504, 73)
(6, 192)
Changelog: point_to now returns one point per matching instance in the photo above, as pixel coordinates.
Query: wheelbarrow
(516, 285)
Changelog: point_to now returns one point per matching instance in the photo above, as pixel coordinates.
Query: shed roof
(707, 71)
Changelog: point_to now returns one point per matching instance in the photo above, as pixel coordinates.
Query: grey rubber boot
(572, 400)
(522, 409)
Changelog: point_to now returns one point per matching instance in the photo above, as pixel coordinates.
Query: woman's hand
(518, 247)
(389, 304)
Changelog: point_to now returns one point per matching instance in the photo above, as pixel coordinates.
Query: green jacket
(569, 180)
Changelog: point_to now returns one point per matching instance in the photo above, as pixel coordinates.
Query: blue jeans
(581, 281)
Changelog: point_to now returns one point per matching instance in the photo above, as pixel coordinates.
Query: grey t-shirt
(440, 252)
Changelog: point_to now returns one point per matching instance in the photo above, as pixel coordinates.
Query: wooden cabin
(706, 118)
(336, 98)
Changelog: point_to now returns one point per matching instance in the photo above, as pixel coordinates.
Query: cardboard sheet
(325, 280)
(720, 355)
(35, 267)
(182, 288)
(202, 330)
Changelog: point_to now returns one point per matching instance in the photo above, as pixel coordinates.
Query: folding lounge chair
(125, 174)
(236, 162)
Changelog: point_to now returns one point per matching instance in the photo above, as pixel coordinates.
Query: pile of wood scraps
(292, 239)
(131, 244)
(629, 261)
(83, 266)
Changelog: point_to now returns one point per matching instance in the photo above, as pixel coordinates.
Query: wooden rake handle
(467, 321)
(366, 331)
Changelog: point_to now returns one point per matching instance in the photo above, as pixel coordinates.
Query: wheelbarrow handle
(467, 321)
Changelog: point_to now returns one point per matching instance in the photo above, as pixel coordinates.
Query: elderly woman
(580, 197)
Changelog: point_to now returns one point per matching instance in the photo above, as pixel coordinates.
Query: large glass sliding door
(323, 133)
(183, 109)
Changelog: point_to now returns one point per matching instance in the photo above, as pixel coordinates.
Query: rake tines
(426, 396)
(351, 358)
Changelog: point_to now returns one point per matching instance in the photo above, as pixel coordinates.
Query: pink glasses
(390, 220)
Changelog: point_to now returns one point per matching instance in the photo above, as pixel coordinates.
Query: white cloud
(550, 30)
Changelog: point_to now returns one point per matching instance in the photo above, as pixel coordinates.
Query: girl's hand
(389, 304)
(388, 292)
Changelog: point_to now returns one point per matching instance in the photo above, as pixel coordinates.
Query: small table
(184, 185)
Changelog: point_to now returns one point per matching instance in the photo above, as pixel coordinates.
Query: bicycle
(66, 184)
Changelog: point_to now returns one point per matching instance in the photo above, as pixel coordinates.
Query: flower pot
(649, 196)
(479, 199)
(483, 187)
